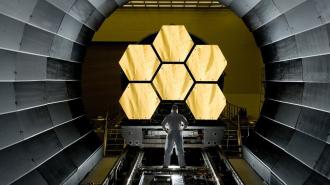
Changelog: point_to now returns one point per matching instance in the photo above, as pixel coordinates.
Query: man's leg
(179, 149)
(168, 149)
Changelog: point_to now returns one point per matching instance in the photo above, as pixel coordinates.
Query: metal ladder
(231, 143)
(232, 140)
(113, 141)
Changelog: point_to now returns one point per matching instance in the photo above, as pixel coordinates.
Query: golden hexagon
(173, 43)
(173, 82)
(139, 101)
(206, 62)
(139, 62)
(206, 101)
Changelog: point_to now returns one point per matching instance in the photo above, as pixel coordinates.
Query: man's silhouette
(174, 124)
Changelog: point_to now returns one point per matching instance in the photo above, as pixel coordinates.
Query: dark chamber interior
(46, 138)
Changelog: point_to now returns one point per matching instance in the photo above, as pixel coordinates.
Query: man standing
(174, 124)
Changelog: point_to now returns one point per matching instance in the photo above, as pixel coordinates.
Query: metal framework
(173, 4)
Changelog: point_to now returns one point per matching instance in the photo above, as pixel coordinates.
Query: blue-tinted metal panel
(34, 121)
(42, 147)
(33, 177)
(285, 5)
(95, 20)
(104, 6)
(291, 171)
(262, 13)
(82, 10)
(270, 130)
(30, 67)
(47, 16)
(323, 164)
(314, 123)
(62, 70)
(313, 42)
(316, 69)
(61, 48)
(317, 95)
(60, 113)
(70, 28)
(288, 92)
(286, 114)
(10, 131)
(7, 97)
(15, 162)
(273, 31)
(297, 148)
(64, 5)
(303, 17)
(7, 63)
(241, 7)
(67, 134)
(36, 41)
(18, 8)
(285, 71)
(57, 169)
(29, 94)
(56, 91)
(11, 33)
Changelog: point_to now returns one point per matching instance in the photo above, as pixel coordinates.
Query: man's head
(175, 108)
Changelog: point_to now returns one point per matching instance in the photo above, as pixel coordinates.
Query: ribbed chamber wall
(292, 141)
(46, 139)
(44, 135)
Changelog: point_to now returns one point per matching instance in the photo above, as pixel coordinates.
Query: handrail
(233, 112)
(105, 137)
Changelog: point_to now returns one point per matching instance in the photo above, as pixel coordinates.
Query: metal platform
(143, 166)
(154, 136)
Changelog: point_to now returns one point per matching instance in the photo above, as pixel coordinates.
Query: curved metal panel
(286, 114)
(11, 7)
(10, 131)
(34, 121)
(32, 178)
(285, 71)
(7, 62)
(289, 92)
(30, 67)
(262, 13)
(60, 112)
(36, 41)
(10, 39)
(47, 16)
(308, 118)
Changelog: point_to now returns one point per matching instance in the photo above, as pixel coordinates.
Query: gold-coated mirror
(139, 62)
(139, 101)
(173, 43)
(206, 62)
(206, 101)
(173, 82)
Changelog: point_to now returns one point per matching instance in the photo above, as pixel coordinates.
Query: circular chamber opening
(42, 48)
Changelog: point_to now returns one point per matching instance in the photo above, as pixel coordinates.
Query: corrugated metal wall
(45, 138)
(292, 141)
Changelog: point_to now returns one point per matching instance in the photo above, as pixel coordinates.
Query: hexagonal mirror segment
(206, 101)
(173, 43)
(173, 82)
(139, 62)
(206, 62)
(139, 101)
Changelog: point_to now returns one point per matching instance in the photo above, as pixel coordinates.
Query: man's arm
(185, 122)
(164, 122)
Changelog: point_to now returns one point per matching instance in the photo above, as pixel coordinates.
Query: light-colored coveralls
(174, 124)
